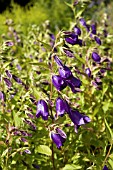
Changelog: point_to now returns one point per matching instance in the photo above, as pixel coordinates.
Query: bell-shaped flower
(96, 57)
(61, 107)
(73, 83)
(98, 41)
(58, 61)
(93, 28)
(68, 52)
(65, 72)
(42, 110)
(8, 82)
(82, 22)
(105, 167)
(77, 118)
(88, 72)
(71, 41)
(58, 138)
(77, 30)
(58, 82)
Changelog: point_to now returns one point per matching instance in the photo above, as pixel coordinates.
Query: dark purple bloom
(80, 42)
(65, 72)
(105, 167)
(42, 110)
(1, 96)
(98, 41)
(88, 72)
(61, 107)
(61, 133)
(96, 57)
(77, 118)
(77, 30)
(8, 82)
(30, 124)
(58, 138)
(52, 36)
(18, 80)
(93, 28)
(82, 22)
(58, 82)
(8, 73)
(70, 41)
(68, 53)
(58, 61)
(73, 83)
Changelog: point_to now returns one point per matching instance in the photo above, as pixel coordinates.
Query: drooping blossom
(42, 110)
(58, 137)
(78, 119)
(58, 82)
(105, 167)
(88, 72)
(96, 57)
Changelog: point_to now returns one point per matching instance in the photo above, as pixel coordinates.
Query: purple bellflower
(78, 119)
(8, 82)
(61, 107)
(65, 72)
(88, 72)
(58, 138)
(105, 168)
(96, 57)
(42, 110)
(73, 83)
(68, 53)
(98, 41)
(58, 61)
(93, 29)
(58, 82)
(82, 22)
(77, 30)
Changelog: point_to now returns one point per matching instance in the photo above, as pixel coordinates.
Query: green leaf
(47, 46)
(71, 167)
(43, 149)
(109, 132)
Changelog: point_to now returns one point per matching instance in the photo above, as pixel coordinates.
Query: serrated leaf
(43, 149)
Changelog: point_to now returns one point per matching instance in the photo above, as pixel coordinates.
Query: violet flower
(58, 61)
(105, 167)
(70, 41)
(88, 72)
(98, 41)
(58, 138)
(82, 22)
(2, 96)
(8, 82)
(93, 29)
(77, 30)
(42, 110)
(73, 83)
(96, 57)
(78, 119)
(18, 80)
(58, 82)
(68, 53)
(8, 73)
(61, 107)
(65, 72)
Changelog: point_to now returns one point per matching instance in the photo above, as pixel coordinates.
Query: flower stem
(107, 155)
(53, 161)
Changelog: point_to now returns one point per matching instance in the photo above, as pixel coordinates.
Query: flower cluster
(65, 78)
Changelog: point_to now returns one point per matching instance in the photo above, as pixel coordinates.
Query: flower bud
(96, 57)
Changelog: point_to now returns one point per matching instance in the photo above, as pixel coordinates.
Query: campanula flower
(18, 80)
(105, 168)
(96, 57)
(2, 96)
(98, 41)
(68, 52)
(61, 107)
(8, 82)
(88, 72)
(77, 118)
(93, 28)
(42, 110)
(58, 138)
(82, 22)
(73, 83)
(58, 61)
(77, 30)
(58, 82)
(65, 72)
(8, 73)
(71, 41)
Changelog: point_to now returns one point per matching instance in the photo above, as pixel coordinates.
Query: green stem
(107, 156)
